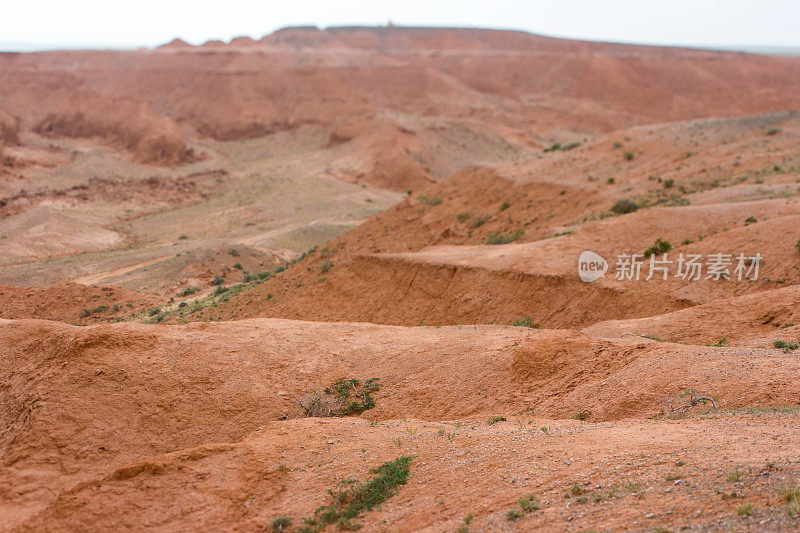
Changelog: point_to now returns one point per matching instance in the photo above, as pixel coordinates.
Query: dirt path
(93, 279)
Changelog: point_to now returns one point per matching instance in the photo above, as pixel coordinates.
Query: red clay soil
(189, 420)
(72, 302)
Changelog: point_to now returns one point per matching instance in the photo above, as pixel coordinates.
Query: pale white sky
(131, 23)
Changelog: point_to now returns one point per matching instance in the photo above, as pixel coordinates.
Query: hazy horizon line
(40, 46)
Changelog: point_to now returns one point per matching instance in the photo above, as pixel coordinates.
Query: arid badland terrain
(209, 253)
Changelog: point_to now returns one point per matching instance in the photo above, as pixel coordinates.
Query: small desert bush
(495, 419)
(529, 503)
(625, 205)
(628, 155)
(659, 247)
(218, 280)
(189, 291)
(553, 147)
(325, 265)
(786, 346)
(344, 397)
(581, 414)
(526, 322)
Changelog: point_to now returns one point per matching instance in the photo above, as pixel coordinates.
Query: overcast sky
(132, 23)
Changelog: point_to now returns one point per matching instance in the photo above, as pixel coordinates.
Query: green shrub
(526, 322)
(786, 346)
(553, 147)
(98, 309)
(505, 205)
(660, 247)
(220, 290)
(529, 503)
(344, 397)
(352, 498)
(513, 514)
(495, 419)
(628, 155)
(669, 183)
(624, 206)
(189, 291)
(218, 280)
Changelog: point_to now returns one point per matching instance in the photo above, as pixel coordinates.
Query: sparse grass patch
(791, 495)
(429, 200)
(734, 476)
(325, 265)
(746, 509)
(480, 220)
(280, 523)
(462, 216)
(628, 155)
(352, 498)
(95, 310)
(504, 238)
(218, 280)
(495, 419)
(505, 205)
